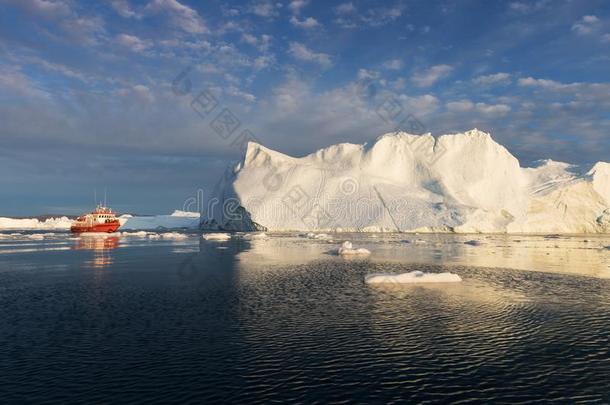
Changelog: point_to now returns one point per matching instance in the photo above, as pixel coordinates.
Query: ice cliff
(463, 182)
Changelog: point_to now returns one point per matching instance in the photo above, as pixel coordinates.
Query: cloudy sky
(152, 98)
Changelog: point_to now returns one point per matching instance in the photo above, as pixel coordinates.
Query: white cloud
(47, 8)
(264, 8)
(143, 93)
(527, 7)
(297, 5)
(496, 78)
(85, 30)
(123, 8)
(345, 8)
(364, 74)
(14, 81)
(542, 83)
(428, 77)
(236, 92)
(348, 16)
(262, 43)
(586, 25)
(301, 52)
(466, 106)
(181, 16)
(419, 105)
(263, 62)
(606, 38)
(306, 23)
(493, 109)
(393, 64)
(460, 106)
(377, 17)
(133, 43)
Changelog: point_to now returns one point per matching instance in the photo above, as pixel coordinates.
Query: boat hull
(106, 228)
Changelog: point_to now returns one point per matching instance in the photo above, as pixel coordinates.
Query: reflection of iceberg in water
(101, 247)
(573, 255)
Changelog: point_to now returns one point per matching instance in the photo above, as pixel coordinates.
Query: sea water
(145, 318)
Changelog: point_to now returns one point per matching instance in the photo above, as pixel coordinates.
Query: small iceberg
(174, 235)
(411, 278)
(255, 236)
(219, 237)
(347, 249)
(320, 236)
(140, 234)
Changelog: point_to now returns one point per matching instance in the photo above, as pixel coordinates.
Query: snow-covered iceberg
(35, 223)
(176, 220)
(347, 249)
(463, 182)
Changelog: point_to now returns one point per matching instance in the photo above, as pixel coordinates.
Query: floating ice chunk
(473, 242)
(174, 235)
(255, 236)
(219, 237)
(348, 249)
(412, 277)
(140, 234)
(321, 236)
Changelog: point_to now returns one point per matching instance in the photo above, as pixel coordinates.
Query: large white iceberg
(464, 182)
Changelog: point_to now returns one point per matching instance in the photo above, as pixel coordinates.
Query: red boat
(100, 220)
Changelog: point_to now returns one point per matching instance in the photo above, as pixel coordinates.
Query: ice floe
(320, 236)
(174, 235)
(347, 249)
(218, 237)
(139, 234)
(412, 277)
(255, 236)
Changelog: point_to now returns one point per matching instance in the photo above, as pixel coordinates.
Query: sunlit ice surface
(284, 318)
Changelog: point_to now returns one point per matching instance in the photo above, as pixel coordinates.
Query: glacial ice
(216, 236)
(255, 236)
(173, 235)
(347, 249)
(176, 220)
(463, 183)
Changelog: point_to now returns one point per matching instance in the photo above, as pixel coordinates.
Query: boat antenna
(95, 197)
(104, 196)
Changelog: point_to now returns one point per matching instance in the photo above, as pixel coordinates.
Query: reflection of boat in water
(101, 245)
(94, 243)
(100, 220)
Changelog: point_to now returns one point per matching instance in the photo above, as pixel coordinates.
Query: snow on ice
(219, 237)
(464, 182)
(347, 249)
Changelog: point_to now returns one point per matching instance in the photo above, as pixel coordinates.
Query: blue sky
(91, 94)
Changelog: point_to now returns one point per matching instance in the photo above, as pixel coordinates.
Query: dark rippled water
(145, 321)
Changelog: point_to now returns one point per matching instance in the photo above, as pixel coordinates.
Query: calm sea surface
(136, 319)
